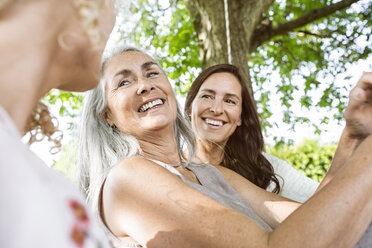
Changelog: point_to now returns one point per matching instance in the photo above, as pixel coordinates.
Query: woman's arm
(272, 208)
(336, 203)
(358, 117)
(147, 202)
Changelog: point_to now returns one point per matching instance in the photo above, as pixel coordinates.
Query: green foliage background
(311, 60)
(311, 63)
(67, 160)
(309, 157)
(308, 61)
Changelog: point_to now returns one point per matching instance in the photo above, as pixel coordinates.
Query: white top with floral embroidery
(38, 206)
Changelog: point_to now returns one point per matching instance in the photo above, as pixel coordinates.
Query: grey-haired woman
(148, 194)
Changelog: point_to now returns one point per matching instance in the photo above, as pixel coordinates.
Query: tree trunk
(247, 28)
(210, 25)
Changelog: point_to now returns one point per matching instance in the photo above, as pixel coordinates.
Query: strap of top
(169, 167)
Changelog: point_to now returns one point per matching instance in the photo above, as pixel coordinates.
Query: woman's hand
(358, 114)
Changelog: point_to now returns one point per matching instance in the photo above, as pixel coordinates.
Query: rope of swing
(227, 31)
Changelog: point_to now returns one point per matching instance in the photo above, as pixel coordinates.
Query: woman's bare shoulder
(134, 169)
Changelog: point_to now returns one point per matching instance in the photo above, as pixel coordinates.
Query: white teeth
(214, 122)
(150, 105)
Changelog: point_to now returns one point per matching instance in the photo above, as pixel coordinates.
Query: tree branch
(265, 31)
(313, 33)
(311, 16)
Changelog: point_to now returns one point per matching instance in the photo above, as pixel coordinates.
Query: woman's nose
(217, 107)
(144, 86)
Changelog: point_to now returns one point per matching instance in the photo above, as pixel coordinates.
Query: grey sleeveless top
(212, 184)
(366, 240)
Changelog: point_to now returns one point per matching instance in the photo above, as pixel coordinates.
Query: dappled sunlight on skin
(166, 239)
(162, 238)
(184, 239)
(278, 215)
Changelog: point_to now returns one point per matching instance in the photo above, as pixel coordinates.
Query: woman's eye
(230, 101)
(152, 74)
(124, 83)
(206, 96)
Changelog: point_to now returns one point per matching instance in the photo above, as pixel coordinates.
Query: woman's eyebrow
(208, 90)
(126, 72)
(213, 92)
(148, 64)
(123, 72)
(232, 95)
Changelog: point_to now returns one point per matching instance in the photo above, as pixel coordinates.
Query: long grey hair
(101, 146)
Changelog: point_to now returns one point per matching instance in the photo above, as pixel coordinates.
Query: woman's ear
(69, 40)
(239, 122)
(188, 112)
(107, 115)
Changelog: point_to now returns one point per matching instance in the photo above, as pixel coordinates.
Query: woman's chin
(213, 139)
(157, 123)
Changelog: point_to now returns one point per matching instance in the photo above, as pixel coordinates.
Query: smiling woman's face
(216, 109)
(139, 96)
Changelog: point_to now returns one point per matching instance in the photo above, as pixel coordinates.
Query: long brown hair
(243, 150)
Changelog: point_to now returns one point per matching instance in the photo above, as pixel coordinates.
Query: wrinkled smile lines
(150, 104)
(212, 122)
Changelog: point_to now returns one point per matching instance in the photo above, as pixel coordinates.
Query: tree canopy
(310, 41)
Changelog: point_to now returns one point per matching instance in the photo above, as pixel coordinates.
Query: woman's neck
(160, 145)
(23, 72)
(209, 152)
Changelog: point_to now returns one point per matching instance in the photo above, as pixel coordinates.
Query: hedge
(309, 157)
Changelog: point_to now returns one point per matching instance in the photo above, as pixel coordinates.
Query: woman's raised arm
(358, 117)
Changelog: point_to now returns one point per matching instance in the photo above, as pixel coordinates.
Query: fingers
(366, 80)
(362, 92)
(358, 114)
(358, 95)
(366, 84)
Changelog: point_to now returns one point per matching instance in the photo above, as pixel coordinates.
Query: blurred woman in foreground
(45, 44)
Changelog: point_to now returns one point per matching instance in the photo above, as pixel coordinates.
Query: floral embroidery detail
(80, 228)
(78, 236)
(79, 211)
